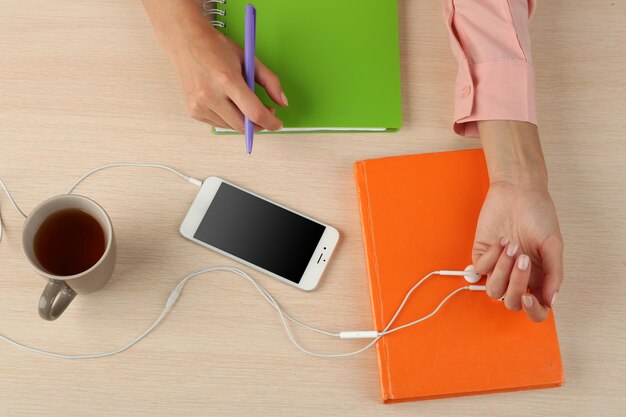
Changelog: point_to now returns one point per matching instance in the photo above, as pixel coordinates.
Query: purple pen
(248, 65)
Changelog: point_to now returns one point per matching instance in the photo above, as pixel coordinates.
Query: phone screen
(260, 232)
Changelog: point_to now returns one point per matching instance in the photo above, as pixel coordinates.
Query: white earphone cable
(12, 200)
(266, 295)
(187, 178)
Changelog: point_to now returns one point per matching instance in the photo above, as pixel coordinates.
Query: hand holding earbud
(518, 242)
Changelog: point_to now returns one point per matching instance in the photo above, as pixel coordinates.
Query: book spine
(373, 277)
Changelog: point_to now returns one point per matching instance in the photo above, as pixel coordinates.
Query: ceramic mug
(60, 291)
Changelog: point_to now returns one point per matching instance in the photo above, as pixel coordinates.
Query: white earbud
(469, 274)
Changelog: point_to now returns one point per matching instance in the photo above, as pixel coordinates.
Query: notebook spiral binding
(210, 9)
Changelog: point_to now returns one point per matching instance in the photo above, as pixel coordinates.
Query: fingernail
(554, 297)
(512, 249)
(527, 300)
(504, 241)
(284, 97)
(522, 262)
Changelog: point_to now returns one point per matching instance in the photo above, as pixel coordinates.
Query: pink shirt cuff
(493, 91)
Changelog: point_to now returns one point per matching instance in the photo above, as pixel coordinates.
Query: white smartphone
(259, 233)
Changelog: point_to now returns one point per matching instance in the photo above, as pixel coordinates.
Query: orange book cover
(419, 214)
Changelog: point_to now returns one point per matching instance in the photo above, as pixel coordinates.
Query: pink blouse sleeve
(495, 79)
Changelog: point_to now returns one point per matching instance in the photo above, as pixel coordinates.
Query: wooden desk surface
(85, 83)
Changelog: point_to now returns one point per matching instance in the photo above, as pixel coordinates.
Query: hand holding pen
(209, 65)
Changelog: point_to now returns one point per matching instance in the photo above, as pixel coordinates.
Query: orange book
(419, 214)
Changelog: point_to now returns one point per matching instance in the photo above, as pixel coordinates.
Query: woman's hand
(519, 246)
(518, 242)
(210, 68)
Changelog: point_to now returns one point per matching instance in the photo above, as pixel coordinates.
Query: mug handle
(56, 297)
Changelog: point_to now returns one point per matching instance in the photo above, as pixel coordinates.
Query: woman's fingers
(518, 283)
(498, 280)
(211, 118)
(509, 276)
(268, 80)
(230, 114)
(533, 308)
(250, 105)
(258, 128)
(212, 122)
(485, 263)
(551, 252)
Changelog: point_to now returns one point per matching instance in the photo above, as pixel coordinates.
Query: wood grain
(85, 83)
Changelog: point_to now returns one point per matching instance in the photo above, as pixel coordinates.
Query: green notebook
(338, 62)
